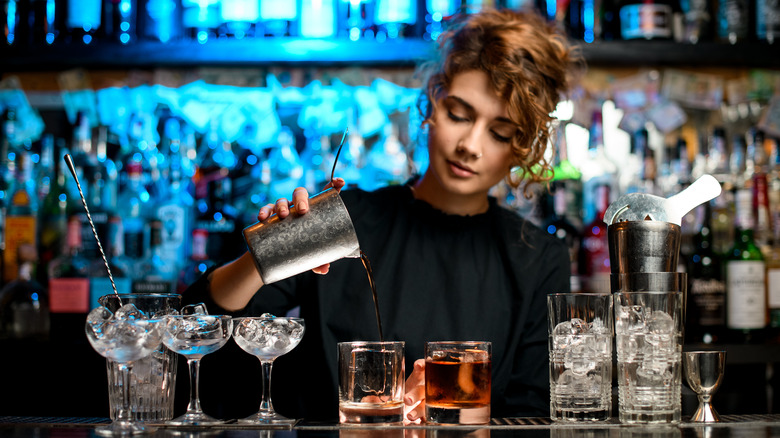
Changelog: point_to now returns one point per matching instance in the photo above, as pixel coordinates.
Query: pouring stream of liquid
(69, 162)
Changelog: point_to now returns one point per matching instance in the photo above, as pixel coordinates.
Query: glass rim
(457, 342)
(179, 316)
(579, 294)
(142, 294)
(288, 318)
(366, 343)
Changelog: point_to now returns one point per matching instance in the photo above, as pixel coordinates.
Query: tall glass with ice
(580, 347)
(154, 376)
(457, 382)
(648, 332)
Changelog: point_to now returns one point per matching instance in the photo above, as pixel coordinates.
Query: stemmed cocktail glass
(194, 336)
(267, 337)
(123, 337)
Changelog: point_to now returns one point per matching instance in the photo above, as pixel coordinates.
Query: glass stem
(194, 405)
(123, 415)
(266, 407)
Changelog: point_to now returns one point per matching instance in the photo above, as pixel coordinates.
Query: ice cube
(630, 319)
(597, 326)
(659, 322)
(129, 312)
(194, 309)
(96, 319)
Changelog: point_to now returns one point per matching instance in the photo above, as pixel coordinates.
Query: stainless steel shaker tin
(643, 246)
(286, 247)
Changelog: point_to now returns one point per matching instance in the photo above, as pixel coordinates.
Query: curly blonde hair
(531, 67)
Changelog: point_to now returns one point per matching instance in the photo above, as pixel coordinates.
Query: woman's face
(470, 136)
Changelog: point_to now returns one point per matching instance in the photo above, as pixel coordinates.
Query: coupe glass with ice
(580, 346)
(457, 382)
(194, 334)
(648, 332)
(267, 337)
(123, 337)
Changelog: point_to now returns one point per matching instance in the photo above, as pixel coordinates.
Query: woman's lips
(461, 170)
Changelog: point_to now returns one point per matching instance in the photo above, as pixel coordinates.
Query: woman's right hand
(299, 205)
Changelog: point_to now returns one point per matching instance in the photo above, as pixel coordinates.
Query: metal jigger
(704, 373)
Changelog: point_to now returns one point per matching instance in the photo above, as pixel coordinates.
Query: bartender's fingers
(414, 399)
(322, 269)
(337, 183)
(300, 200)
(265, 212)
(282, 208)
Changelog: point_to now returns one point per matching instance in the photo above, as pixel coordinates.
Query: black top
(439, 277)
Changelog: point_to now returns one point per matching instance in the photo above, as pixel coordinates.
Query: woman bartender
(449, 262)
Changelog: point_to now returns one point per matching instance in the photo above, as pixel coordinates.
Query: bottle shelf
(334, 52)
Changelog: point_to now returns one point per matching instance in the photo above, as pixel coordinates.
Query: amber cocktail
(457, 382)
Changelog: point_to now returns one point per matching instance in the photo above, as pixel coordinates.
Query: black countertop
(760, 426)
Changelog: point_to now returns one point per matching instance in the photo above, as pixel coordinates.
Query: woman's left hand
(414, 399)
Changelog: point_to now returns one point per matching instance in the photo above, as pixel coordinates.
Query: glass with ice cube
(194, 334)
(371, 382)
(580, 347)
(154, 377)
(648, 333)
(123, 336)
(267, 337)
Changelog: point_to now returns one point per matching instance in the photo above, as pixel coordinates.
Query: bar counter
(760, 426)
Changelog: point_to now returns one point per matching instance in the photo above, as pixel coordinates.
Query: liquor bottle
(68, 282)
(37, 24)
(733, 18)
(318, 19)
(594, 252)
(278, 19)
(200, 19)
(648, 19)
(119, 21)
(698, 20)
(137, 206)
(772, 258)
(238, 18)
(24, 307)
(745, 282)
(597, 168)
(439, 13)
(21, 214)
(767, 21)
(120, 265)
(354, 20)
(7, 128)
(394, 18)
(177, 208)
(53, 215)
(160, 20)
(561, 227)
(82, 21)
(718, 159)
(706, 318)
(198, 262)
(153, 274)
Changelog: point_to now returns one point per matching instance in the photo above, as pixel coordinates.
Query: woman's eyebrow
(470, 108)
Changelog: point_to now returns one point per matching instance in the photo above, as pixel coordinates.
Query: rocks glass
(648, 332)
(580, 346)
(371, 382)
(457, 382)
